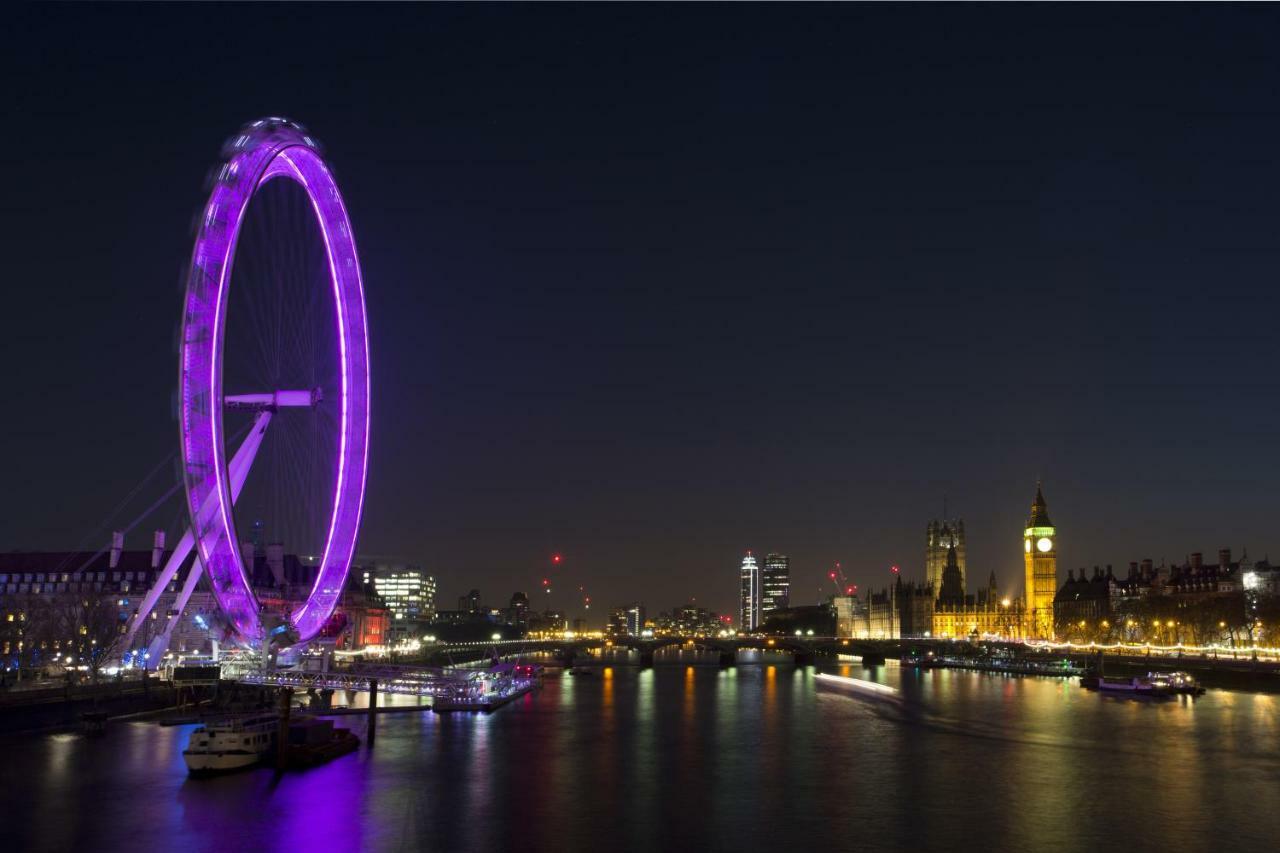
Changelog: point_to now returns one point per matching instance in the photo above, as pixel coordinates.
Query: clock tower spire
(1040, 552)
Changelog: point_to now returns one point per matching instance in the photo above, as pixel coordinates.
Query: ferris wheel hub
(276, 400)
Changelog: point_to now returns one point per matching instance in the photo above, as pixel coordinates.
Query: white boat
(1135, 685)
(231, 744)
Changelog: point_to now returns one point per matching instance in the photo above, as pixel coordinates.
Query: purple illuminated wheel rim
(264, 151)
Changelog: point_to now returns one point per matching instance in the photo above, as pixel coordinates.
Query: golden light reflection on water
(1049, 764)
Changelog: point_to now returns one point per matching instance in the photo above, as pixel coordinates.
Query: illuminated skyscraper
(775, 587)
(635, 619)
(749, 602)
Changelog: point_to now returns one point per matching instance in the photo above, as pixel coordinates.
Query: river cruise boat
(1135, 686)
(231, 744)
(1177, 682)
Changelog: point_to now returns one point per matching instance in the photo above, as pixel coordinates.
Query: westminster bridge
(586, 651)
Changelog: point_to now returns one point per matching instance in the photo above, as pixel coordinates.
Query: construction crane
(841, 583)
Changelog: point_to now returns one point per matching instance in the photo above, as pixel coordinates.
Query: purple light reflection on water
(695, 762)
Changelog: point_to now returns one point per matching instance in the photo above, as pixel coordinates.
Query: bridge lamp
(496, 637)
(798, 632)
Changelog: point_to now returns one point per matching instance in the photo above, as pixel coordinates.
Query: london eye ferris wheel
(274, 334)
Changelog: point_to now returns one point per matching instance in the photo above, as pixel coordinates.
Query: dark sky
(652, 285)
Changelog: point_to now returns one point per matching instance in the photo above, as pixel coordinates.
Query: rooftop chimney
(157, 549)
(117, 545)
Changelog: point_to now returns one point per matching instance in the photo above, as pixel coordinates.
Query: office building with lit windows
(635, 619)
(775, 584)
(408, 592)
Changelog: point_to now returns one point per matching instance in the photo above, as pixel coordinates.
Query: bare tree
(92, 625)
(28, 630)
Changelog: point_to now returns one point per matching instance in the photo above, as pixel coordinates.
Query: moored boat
(1176, 682)
(231, 744)
(1137, 685)
(314, 741)
(922, 660)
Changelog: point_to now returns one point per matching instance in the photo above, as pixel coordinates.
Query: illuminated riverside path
(700, 758)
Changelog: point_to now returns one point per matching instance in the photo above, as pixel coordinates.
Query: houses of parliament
(942, 606)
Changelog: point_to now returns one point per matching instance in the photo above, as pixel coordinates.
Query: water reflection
(694, 757)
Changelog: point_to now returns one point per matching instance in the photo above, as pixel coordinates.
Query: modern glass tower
(775, 587)
(749, 601)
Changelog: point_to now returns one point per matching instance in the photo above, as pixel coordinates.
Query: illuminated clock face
(1045, 544)
(1028, 545)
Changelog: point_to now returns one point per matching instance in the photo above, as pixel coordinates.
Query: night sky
(653, 285)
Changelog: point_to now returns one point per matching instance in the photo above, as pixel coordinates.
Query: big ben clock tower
(1040, 549)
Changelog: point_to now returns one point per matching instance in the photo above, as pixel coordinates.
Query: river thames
(698, 758)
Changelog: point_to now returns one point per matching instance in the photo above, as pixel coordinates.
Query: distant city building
(984, 614)
(518, 610)
(939, 607)
(903, 609)
(884, 621)
(940, 536)
(626, 620)
(819, 619)
(548, 621)
(470, 602)
(690, 620)
(851, 616)
(1087, 599)
(1197, 602)
(460, 617)
(775, 585)
(408, 592)
(749, 594)
(635, 619)
(39, 591)
(1260, 584)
